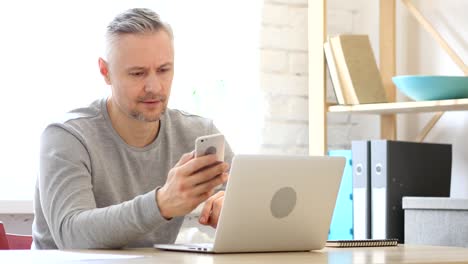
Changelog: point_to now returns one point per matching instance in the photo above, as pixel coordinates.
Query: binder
(405, 169)
(341, 226)
(361, 189)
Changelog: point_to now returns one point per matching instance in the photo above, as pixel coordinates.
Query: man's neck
(134, 132)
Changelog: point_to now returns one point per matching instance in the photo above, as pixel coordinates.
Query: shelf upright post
(388, 126)
(317, 31)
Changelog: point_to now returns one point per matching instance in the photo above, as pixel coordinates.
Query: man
(115, 174)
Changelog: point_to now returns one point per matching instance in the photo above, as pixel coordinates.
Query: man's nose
(152, 84)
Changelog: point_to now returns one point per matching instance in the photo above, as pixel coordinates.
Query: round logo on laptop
(283, 202)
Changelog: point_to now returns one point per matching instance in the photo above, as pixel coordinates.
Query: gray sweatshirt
(95, 191)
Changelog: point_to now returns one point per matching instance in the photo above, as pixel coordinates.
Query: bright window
(48, 65)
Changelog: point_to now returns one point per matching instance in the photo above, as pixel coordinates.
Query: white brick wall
(287, 108)
(284, 76)
(284, 84)
(274, 61)
(298, 63)
(274, 14)
(286, 133)
(282, 38)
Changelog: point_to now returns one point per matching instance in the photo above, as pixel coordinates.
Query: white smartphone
(210, 144)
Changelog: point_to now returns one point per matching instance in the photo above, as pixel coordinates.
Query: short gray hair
(135, 21)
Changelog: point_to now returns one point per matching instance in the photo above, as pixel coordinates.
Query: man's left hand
(212, 209)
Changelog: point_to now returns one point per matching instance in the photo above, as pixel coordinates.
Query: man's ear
(104, 69)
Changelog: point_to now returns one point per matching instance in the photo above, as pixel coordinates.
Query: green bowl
(431, 87)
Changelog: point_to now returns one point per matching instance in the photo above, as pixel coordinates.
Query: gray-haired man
(114, 174)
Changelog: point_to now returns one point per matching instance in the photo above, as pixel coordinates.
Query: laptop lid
(276, 203)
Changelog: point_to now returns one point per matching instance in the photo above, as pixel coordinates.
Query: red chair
(11, 241)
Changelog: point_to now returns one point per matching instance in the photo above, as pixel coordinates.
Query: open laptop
(275, 203)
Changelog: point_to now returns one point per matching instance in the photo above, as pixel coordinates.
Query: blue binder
(342, 221)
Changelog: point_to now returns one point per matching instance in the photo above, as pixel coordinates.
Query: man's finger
(195, 165)
(207, 208)
(207, 174)
(215, 212)
(210, 184)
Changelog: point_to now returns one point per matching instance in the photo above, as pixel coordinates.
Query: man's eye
(164, 69)
(136, 73)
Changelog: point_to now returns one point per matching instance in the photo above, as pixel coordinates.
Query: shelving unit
(318, 108)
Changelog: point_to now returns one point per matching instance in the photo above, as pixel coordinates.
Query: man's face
(140, 71)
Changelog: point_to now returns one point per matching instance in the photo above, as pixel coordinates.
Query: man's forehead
(137, 48)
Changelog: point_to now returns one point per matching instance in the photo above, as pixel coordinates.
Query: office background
(283, 79)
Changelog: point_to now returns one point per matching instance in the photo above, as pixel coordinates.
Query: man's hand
(212, 209)
(189, 183)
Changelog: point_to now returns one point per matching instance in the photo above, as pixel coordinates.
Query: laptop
(273, 204)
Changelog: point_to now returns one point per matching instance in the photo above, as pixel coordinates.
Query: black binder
(400, 169)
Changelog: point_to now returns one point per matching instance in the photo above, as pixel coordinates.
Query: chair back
(13, 241)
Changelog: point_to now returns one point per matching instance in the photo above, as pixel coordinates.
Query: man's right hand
(189, 183)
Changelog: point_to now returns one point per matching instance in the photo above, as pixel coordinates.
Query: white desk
(400, 254)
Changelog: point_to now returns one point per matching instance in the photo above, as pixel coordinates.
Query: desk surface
(400, 254)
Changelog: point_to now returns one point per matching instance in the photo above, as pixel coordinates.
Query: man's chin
(153, 119)
(149, 119)
(146, 118)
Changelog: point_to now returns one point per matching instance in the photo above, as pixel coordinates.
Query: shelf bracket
(436, 117)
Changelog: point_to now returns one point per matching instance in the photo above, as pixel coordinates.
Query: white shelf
(402, 107)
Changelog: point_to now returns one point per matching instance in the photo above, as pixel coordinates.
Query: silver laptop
(275, 203)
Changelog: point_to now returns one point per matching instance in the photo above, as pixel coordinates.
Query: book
(359, 76)
(363, 243)
(361, 189)
(401, 169)
(332, 71)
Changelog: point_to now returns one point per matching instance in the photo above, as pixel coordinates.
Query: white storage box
(436, 221)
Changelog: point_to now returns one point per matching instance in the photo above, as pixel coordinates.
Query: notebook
(363, 243)
(275, 203)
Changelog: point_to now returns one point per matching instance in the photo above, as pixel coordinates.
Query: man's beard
(149, 96)
(141, 117)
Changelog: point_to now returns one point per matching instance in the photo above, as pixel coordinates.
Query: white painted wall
(419, 53)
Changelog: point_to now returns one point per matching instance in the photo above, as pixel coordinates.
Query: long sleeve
(69, 205)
